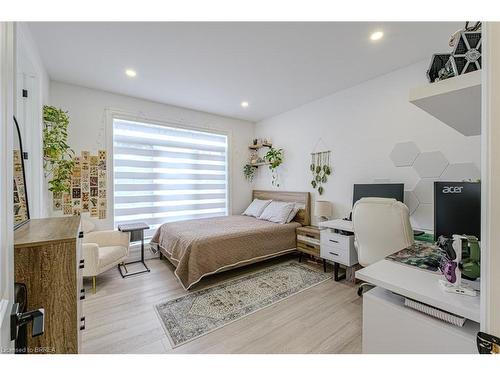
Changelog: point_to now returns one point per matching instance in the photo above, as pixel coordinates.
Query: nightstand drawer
(309, 247)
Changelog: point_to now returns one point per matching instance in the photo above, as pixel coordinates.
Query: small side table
(308, 242)
(136, 231)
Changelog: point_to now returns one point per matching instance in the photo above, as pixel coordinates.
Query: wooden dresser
(48, 260)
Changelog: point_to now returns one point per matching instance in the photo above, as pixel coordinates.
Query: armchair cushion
(110, 255)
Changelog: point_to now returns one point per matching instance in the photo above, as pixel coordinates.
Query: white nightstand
(337, 245)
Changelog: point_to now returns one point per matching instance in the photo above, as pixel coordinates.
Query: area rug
(191, 316)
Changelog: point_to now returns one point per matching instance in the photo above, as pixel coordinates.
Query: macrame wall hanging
(320, 168)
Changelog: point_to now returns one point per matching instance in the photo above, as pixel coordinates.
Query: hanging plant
(57, 155)
(249, 172)
(321, 169)
(274, 157)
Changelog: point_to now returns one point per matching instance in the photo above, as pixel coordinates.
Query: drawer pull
(334, 241)
(80, 235)
(82, 319)
(334, 253)
(82, 296)
(310, 246)
(310, 236)
(82, 264)
(82, 326)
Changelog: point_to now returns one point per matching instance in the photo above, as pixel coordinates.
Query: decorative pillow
(277, 212)
(256, 207)
(294, 211)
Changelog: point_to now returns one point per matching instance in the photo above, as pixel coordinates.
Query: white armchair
(103, 250)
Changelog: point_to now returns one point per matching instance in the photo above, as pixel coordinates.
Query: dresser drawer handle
(82, 264)
(82, 326)
(80, 235)
(82, 319)
(310, 246)
(334, 253)
(334, 241)
(82, 295)
(310, 236)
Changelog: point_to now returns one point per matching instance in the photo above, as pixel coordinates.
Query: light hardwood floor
(120, 317)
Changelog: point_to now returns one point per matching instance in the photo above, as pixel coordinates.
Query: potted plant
(57, 155)
(274, 157)
(249, 172)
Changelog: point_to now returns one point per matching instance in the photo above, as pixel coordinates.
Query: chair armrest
(91, 256)
(108, 238)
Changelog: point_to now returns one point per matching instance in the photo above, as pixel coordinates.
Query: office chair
(381, 227)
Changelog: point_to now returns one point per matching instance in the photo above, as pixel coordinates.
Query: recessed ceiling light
(244, 104)
(130, 72)
(377, 35)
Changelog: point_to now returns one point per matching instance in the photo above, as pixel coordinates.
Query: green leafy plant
(249, 172)
(57, 155)
(275, 158)
(321, 169)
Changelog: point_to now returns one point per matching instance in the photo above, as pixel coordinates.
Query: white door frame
(490, 180)
(7, 74)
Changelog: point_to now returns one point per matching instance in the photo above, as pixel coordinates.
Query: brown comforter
(205, 246)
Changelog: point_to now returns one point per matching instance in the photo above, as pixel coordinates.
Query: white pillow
(256, 207)
(294, 211)
(277, 212)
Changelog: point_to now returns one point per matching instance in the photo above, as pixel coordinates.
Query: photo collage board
(20, 211)
(88, 187)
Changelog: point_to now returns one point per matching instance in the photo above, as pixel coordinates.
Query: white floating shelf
(455, 101)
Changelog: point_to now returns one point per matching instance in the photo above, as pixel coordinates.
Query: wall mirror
(21, 208)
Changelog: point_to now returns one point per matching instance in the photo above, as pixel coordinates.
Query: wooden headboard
(303, 198)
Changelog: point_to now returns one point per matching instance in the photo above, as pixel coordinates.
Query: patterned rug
(188, 317)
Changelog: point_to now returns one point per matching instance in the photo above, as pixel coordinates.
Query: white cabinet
(391, 328)
(338, 248)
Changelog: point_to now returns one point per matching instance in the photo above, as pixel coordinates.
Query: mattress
(206, 246)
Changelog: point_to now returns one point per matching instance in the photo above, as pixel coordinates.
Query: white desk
(420, 286)
(390, 327)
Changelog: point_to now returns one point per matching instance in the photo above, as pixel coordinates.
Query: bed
(202, 247)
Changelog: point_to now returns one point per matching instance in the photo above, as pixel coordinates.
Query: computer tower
(457, 208)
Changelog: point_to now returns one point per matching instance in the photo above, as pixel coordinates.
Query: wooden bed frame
(303, 217)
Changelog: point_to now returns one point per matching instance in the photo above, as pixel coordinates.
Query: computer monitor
(457, 208)
(395, 191)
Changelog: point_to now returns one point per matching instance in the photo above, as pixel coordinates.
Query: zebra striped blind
(164, 174)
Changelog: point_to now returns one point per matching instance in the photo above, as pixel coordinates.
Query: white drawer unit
(338, 248)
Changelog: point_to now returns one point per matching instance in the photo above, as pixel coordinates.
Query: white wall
(31, 75)
(87, 130)
(361, 125)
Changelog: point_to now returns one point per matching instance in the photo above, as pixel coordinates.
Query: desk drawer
(329, 238)
(334, 254)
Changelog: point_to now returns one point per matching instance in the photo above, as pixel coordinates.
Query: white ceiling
(214, 66)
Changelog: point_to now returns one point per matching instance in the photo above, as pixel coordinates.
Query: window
(164, 174)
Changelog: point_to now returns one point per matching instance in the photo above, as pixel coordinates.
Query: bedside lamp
(323, 210)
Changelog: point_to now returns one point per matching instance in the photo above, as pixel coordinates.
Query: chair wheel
(360, 291)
